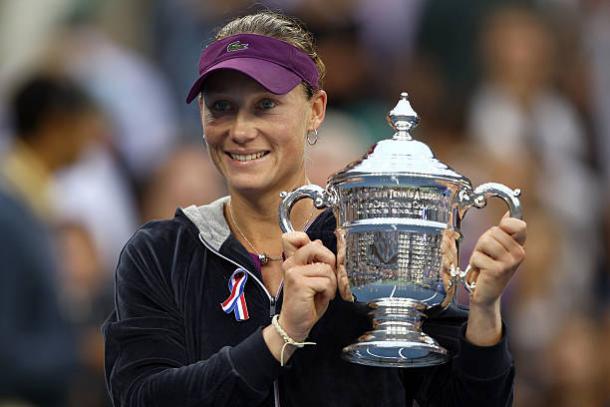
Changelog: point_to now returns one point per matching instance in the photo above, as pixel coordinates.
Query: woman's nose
(243, 128)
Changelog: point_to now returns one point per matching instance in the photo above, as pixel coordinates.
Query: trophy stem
(396, 339)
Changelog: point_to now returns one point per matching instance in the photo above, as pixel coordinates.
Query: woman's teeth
(247, 157)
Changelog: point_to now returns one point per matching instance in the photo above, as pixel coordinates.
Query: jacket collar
(210, 221)
(213, 228)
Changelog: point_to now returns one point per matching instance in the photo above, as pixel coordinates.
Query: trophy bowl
(398, 212)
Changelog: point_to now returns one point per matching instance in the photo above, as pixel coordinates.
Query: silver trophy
(398, 212)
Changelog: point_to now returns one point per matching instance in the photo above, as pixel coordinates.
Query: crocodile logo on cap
(236, 46)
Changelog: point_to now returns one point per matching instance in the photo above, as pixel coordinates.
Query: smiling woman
(208, 314)
(257, 138)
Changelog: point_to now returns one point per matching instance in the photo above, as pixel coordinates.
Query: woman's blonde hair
(278, 26)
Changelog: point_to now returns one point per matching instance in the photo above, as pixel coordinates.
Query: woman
(207, 313)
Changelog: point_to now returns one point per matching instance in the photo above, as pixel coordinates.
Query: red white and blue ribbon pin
(236, 302)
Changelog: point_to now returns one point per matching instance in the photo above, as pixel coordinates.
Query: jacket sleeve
(475, 376)
(147, 362)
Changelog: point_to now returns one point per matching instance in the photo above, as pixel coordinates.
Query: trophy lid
(400, 155)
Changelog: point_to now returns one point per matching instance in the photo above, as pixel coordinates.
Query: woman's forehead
(227, 80)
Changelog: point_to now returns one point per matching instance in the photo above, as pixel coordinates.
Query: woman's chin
(250, 185)
(257, 187)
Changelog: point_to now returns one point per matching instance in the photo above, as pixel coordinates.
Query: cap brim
(275, 78)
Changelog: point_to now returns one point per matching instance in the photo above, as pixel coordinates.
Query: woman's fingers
(490, 245)
(311, 270)
(292, 241)
(511, 245)
(481, 261)
(313, 252)
(307, 291)
(343, 285)
(499, 245)
(516, 228)
(318, 277)
(299, 250)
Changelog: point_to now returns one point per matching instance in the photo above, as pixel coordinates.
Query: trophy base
(397, 340)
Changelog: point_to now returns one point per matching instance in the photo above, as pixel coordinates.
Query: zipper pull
(271, 306)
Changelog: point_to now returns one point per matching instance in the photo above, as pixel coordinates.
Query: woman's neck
(255, 222)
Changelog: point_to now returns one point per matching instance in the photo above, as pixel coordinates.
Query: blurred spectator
(575, 361)
(86, 294)
(383, 22)
(36, 344)
(596, 35)
(446, 36)
(25, 28)
(187, 177)
(605, 357)
(340, 141)
(129, 88)
(50, 118)
(517, 113)
(94, 193)
(350, 80)
(138, 131)
(536, 140)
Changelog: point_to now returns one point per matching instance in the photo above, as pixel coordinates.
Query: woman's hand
(310, 282)
(342, 279)
(496, 257)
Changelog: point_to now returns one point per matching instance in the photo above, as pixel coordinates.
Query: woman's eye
(221, 106)
(266, 104)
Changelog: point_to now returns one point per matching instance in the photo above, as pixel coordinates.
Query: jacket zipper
(276, 387)
(272, 303)
(259, 282)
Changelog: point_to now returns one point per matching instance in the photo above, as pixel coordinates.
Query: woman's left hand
(343, 285)
(496, 257)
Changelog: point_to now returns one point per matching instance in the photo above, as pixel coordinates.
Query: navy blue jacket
(168, 342)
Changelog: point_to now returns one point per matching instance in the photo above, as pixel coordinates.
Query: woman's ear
(318, 109)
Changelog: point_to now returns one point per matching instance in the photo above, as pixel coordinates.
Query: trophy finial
(403, 118)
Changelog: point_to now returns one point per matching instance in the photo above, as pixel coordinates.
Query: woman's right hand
(310, 282)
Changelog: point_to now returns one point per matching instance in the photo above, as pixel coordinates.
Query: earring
(312, 139)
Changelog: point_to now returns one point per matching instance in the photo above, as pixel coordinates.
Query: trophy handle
(319, 196)
(478, 198)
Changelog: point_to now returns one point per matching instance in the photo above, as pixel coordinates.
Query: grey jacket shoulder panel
(210, 221)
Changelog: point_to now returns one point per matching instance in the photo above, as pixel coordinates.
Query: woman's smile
(247, 157)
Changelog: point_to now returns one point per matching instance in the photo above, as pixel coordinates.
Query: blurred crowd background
(95, 139)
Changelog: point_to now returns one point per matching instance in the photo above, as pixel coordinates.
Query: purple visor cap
(275, 64)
